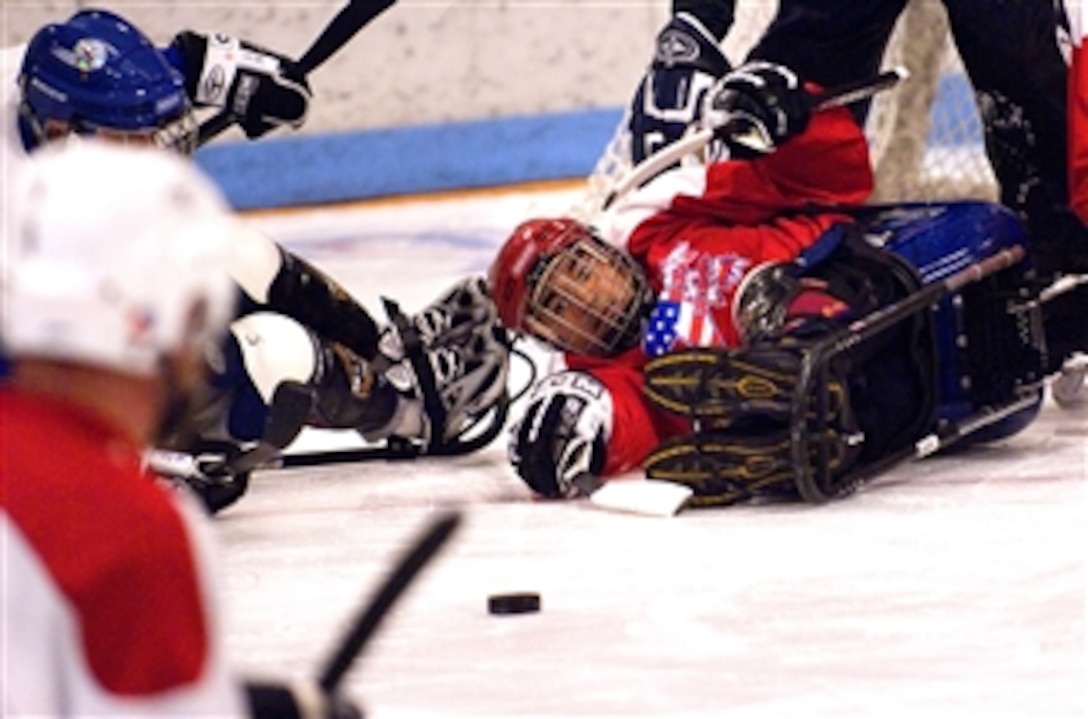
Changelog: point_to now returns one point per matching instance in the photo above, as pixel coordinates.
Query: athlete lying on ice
(691, 311)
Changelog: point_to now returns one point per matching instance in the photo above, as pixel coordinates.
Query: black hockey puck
(517, 603)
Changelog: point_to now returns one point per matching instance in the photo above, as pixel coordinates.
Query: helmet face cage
(588, 298)
(179, 135)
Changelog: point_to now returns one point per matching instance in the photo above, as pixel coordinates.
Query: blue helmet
(98, 72)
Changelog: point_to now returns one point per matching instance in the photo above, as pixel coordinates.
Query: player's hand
(754, 109)
(262, 89)
(687, 62)
(563, 433)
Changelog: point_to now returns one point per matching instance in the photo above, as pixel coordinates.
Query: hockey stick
(340, 30)
(407, 568)
(288, 412)
(669, 156)
(392, 451)
(398, 448)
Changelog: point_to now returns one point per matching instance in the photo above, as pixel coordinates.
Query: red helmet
(556, 280)
(521, 256)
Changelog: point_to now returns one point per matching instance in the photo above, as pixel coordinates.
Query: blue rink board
(315, 169)
(292, 170)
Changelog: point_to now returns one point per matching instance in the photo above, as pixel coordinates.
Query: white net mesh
(926, 134)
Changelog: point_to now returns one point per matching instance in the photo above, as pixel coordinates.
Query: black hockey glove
(563, 433)
(754, 109)
(263, 90)
(687, 62)
(775, 298)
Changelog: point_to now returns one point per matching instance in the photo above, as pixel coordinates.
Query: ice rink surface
(951, 587)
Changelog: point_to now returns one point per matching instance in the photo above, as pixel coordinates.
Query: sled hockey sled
(947, 348)
(986, 319)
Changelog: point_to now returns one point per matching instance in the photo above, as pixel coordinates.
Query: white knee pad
(275, 348)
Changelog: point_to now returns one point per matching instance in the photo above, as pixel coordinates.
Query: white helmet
(110, 254)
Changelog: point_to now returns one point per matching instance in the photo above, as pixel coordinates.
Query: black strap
(412, 345)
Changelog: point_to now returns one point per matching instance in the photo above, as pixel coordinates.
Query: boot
(352, 394)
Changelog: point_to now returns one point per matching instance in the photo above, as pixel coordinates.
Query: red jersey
(105, 595)
(1078, 112)
(697, 231)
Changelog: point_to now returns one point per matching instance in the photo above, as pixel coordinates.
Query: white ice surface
(951, 587)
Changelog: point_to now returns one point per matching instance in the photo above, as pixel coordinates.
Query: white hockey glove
(563, 433)
(262, 89)
(687, 62)
(754, 109)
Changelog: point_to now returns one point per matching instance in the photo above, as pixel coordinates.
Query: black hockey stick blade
(340, 30)
(440, 530)
(213, 127)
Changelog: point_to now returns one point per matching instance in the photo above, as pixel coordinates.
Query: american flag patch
(674, 325)
(661, 329)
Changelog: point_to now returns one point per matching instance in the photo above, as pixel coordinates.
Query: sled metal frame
(813, 479)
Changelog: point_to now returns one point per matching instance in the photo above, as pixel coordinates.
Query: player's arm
(770, 154)
(1078, 114)
(789, 156)
(637, 425)
(714, 15)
